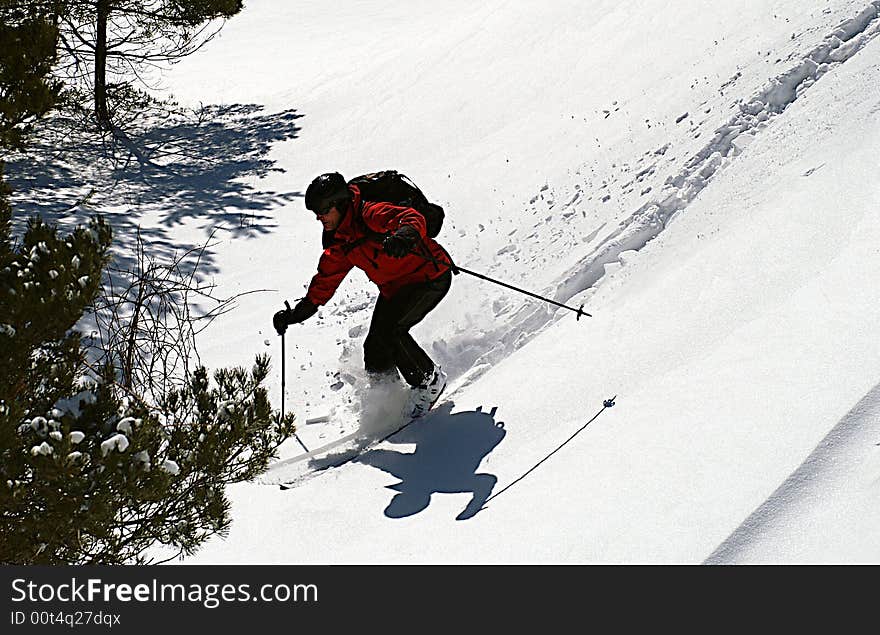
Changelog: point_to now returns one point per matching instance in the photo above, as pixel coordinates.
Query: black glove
(300, 313)
(401, 242)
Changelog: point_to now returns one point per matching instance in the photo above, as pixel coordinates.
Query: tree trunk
(101, 113)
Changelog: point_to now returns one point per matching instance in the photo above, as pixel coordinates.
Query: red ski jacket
(357, 243)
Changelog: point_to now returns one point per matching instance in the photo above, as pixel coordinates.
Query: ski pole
(456, 269)
(283, 357)
(580, 311)
(283, 376)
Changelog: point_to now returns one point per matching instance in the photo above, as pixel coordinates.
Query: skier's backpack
(389, 186)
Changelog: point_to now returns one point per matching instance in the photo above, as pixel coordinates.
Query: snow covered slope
(701, 175)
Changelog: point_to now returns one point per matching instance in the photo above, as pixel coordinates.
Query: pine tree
(28, 50)
(109, 43)
(91, 472)
(45, 286)
(94, 469)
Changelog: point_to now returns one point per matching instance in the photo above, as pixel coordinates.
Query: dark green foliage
(28, 39)
(45, 286)
(194, 12)
(89, 471)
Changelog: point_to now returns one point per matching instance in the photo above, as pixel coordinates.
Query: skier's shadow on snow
(449, 450)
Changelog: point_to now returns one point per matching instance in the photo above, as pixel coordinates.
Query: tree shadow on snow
(201, 166)
(449, 450)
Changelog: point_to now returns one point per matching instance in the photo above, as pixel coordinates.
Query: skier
(412, 272)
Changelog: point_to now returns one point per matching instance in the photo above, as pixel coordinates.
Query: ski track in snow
(650, 219)
(679, 190)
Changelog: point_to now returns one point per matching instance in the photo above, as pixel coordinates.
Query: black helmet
(325, 190)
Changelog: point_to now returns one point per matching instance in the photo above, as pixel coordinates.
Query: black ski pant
(389, 345)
